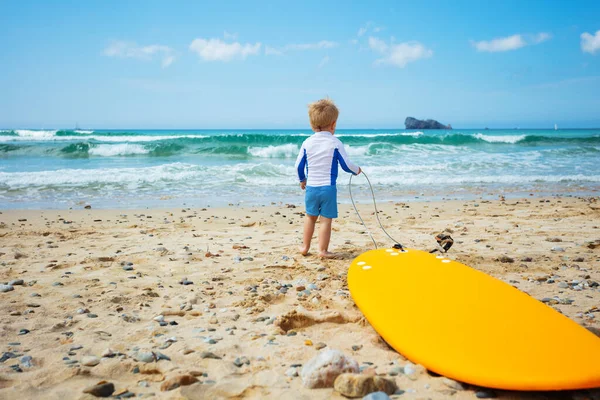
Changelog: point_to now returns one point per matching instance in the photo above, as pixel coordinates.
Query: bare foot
(326, 254)
(303, 250)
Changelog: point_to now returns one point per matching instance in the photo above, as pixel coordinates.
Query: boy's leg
(312, 213)
(309, 229)
(328, 212)
(325, 236)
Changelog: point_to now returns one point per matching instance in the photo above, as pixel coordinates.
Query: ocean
(197, 168)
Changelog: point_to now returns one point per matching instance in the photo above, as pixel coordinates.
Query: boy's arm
(345, 162)
(301, 164)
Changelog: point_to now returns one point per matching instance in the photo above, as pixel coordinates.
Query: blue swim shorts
(321, 200)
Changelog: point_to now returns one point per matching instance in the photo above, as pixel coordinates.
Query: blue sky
(230, 64)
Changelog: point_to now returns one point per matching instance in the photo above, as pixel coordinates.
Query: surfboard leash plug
(398, 246)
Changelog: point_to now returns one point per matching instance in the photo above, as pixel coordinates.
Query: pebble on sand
(177, 381)
(108, 353)
(322, 370)
(101, 389)
(144, 356)
(376, 396)
(6, 288)
(456, 385)
(26, 361)
(240, 361)
(208, 354)
(359, 385)
(413, 371)
(506, 259)
(90, 361)
(485, 394)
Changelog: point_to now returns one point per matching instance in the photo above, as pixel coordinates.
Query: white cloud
(231, 36)
(167, 61)
(123, 49)
(541, 37)
(364, 29)
(590, 43)
(323, 44)
(500, 44)
(509, 43)
(377, 44)
(353, 41)
(218, 50)
(369, 26)
(398, 54)
(324, 61)
(272, 51)
(404, 53)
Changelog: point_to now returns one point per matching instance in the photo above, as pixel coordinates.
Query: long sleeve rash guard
(319, 157)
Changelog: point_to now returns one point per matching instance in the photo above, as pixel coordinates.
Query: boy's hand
(303, 185)
(359, 171)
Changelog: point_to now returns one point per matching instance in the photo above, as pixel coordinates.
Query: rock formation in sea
(413, 123)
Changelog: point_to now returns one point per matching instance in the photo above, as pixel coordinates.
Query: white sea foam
(143, 138)
(182, 176)
(36, 135)
(419, 150)
(85, 177)
(251, 182)
(387, 149)
(123, 149)
(83, 132)
(356, 151)
(291, 150)
(167, 177)
(500, 139)
(281, 151)
(414, 134)
(374, 135)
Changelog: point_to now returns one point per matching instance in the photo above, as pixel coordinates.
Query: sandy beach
(241, 310)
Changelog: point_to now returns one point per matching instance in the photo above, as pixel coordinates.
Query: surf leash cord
(397, 244)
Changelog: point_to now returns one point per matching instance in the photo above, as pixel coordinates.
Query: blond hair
(322, 113)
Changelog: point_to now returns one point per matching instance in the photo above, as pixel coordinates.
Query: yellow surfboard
(469, 326)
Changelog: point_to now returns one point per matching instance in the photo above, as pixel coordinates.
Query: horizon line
(289, 129)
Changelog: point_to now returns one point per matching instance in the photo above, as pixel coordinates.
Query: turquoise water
(138, 168)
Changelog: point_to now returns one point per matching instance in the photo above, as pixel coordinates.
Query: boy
(319, 156)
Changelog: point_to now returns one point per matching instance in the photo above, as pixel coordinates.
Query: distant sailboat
(555, 127)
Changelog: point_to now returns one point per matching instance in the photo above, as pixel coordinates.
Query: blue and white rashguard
(319, 158)
(318, 163)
